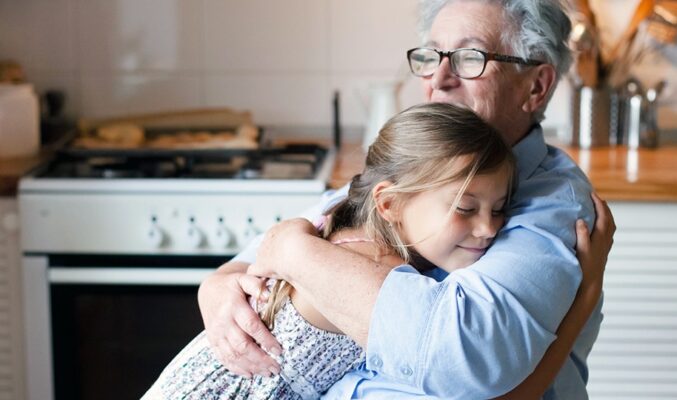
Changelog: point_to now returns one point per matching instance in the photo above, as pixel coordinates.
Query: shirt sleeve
(328, 200)
(482, 330)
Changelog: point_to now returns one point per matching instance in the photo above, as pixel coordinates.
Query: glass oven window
(112, 341)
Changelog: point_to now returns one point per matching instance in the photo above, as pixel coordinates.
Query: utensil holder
(641, 123)
(618, 130)
(591, 117)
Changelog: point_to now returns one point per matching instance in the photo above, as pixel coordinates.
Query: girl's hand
(592, 250)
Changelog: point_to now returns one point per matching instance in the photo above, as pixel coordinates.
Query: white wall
(280, 59)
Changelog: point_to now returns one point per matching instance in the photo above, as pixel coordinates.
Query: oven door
(105, 327)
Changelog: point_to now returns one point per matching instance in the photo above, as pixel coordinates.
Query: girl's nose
(486, 226)
(443, 78)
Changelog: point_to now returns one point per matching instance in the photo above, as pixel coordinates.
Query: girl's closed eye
(498, 212)
(465, 210)
(500, 208)
(468, 211)
(466, 206)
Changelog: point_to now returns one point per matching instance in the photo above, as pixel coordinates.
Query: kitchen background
(281, 60)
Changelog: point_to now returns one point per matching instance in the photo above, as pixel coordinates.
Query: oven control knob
(251, 231)
(156, 236)
(223, 237)
(196, 238)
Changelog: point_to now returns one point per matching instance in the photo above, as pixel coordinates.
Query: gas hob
(159, 202)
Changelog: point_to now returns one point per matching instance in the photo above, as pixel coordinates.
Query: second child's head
(434, 186)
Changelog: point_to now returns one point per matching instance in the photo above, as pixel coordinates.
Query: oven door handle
(127, 276)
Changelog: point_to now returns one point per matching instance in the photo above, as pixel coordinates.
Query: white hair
(537, 29)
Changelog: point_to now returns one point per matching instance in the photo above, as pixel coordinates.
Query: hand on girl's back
(280, 240)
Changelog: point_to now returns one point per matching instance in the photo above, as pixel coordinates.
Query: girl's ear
(385, 202)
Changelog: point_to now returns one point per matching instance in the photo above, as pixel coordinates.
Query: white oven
(111, 267)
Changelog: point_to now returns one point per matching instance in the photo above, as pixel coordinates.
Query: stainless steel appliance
(115, 243)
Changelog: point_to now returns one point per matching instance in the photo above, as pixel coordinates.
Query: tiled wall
(280, 59)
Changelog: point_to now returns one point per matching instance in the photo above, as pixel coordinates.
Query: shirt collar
(530, 152)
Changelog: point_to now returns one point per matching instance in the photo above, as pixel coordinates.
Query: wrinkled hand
(279, 242)
(234, 328)
(592, 250)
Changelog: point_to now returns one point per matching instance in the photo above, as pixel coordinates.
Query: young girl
(432, 193)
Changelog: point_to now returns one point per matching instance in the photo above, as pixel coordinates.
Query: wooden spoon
(643, 11)
(583, 6)
(588, 58)
(663, 24)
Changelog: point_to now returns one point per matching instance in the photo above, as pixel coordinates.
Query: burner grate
(285, 162)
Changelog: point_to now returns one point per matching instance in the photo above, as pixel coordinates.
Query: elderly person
(479, 331)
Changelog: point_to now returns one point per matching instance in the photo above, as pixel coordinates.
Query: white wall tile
(294, 99)
(370, 36)
(355, 95)
(104, 96)
(133, 35)
(280, 59)
(37, 33)
(263, 35)
(67, 82)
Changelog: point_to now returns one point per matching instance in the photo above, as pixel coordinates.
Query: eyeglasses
(465, 63)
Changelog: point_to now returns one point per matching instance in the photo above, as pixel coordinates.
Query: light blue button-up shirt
(478, 332)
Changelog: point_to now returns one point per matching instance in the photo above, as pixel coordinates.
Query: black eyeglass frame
(488, 56)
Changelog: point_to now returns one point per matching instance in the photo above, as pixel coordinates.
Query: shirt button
(376, 361)
(406, 371)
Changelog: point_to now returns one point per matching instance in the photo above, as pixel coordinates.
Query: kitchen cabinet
(12, 366)
(11, 323)
(635, 356)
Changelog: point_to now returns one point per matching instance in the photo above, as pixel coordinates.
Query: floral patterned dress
(311, 361)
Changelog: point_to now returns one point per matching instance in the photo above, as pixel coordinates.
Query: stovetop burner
(113, 168)
(288, 162)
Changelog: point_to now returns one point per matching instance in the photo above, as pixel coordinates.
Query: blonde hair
(416, 150)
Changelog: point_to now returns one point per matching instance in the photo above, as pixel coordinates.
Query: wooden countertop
(13, 169)
(350, 161)
(617, 174)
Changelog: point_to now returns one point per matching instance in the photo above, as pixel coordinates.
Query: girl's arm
(324, 275)
(592, 253)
